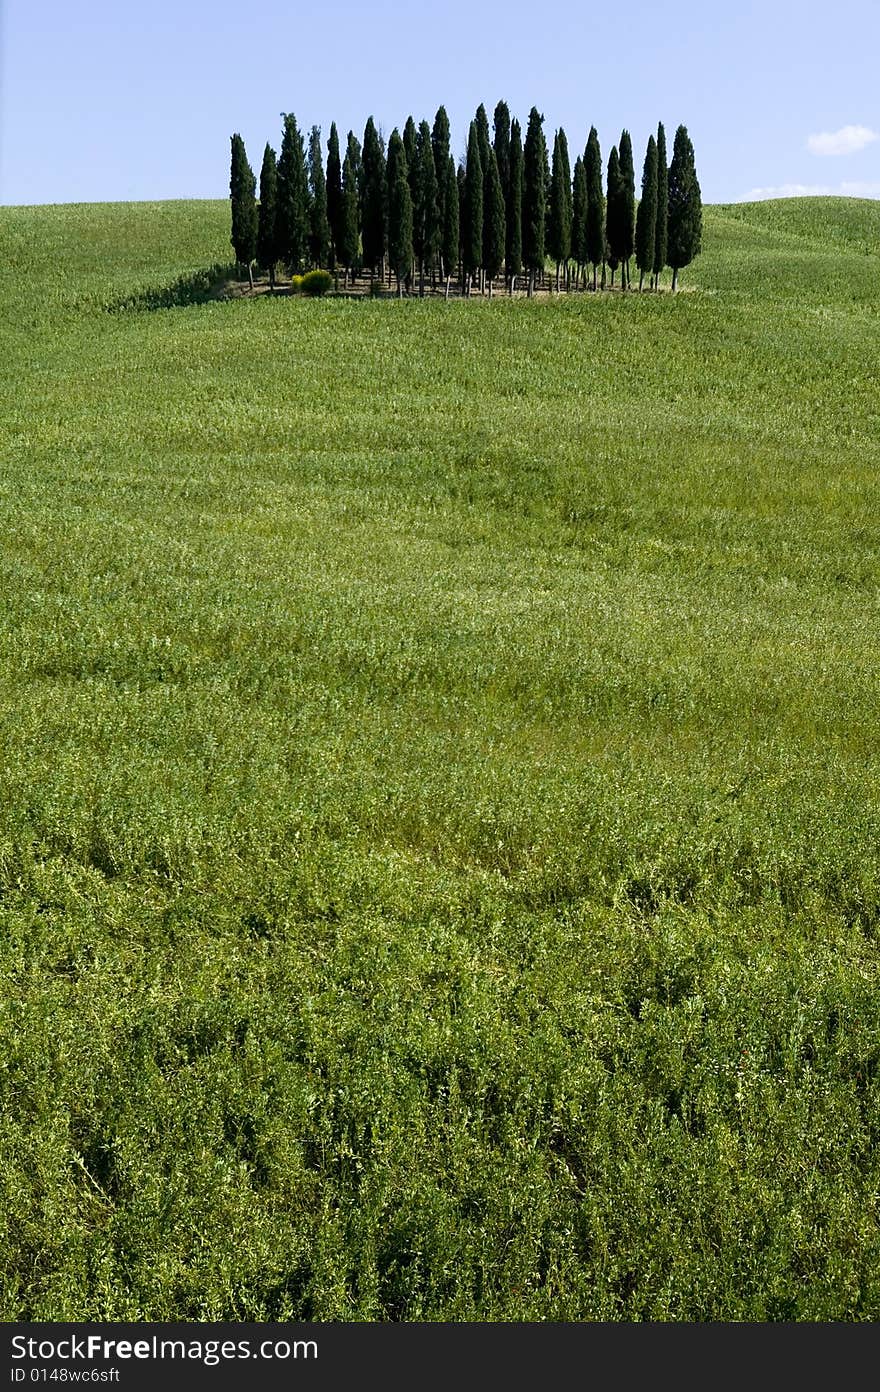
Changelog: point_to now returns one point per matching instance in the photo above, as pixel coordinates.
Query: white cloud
(842, 142)
(847, 189)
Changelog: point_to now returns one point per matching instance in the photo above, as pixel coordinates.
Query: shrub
(316, 282)
(296, 284)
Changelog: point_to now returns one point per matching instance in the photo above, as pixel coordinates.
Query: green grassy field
(440, 772)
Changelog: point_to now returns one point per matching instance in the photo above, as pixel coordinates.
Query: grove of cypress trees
(660, 231)
(347, 235)
(400, 218)
(373, 201)
(334, 190)
(472, 221)
(243, 196)
(595, 206)
(579, 219)
(440, 149)
(267, 251)
(494, 222)
(513, 248)
(534, 197)
(685, 206)
(646, 218)
(292, 219)
(426, 214)
(560, 205)
(450, 240)
(615, 213)
(627, 206)
(319, 224)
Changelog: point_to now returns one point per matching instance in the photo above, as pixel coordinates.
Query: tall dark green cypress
(513, 249)
(400, 219)
(501, 146)
(462, 200)
(534, 197)
(440, 148)
(347, 243)
(685, 206)
(319, 225)
(267, 249)
(482, 122)
(334, 191)
(293, 205)
(426, 213)
(450, 245)
(409, 149)
(661, 231)
(646, 218)
(494, 222)
(614, 213)
(243, 196)
(628, 205)
(373, 199)
(472, 234)
(559, 220)
(579, 218)
(596, 249)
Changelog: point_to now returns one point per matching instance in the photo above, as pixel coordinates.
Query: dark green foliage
(534, 194)
(451, 234)
(400, 213)
(316, 282)
(267, 249)
(660, 231)
(595, 204)
(409, 149)
(646, 219)
(426, 212)
(293, 205)
(560, 204)
(353, 153)
(460, 182)
(373, 198)
(615, 213)
(440, 149)
(242, 193)
(319, 224)
(513, 250)
(347, 247)
(685, 206)
(494, 221)
(482, 123)
(627, 203)
(501, 145)
(579, 246)
(334, 191)
(472, 218)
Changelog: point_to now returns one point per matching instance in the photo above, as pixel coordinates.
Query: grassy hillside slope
(441, 787)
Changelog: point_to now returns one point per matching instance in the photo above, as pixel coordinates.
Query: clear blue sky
(116, 99)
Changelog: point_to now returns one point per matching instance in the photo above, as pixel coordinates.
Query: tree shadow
(197, 287)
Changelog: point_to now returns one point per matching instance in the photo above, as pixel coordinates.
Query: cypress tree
(513, 249)
(451, 234)
(595, 206)
(334, 190)
(501, 146)
(614, 213)
(685, 226)
(319, 224)
(426, 214)
(472, 233)
(661, 230)
(627, 205)
(494, 222)
(400, 217)
(579, 218)
(347, 244)
(293, 212)
(646, 218)
(559, 220)
(267, 253)
(462, 199)
(373, 200)
(409, 147)
(243, 196)
(534, 197)
(440, 148)
(482, 121)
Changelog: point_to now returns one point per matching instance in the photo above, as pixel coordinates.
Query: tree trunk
(674, 279)
(641, 278)
(557, 277)
(446, 296)
(251, 275)
(602, 286)
(491, 278)
(512, 285)
(421, 280)
(272, 279)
